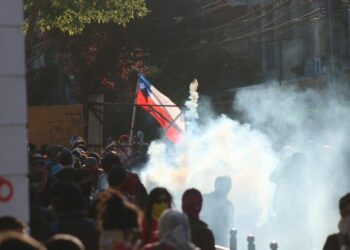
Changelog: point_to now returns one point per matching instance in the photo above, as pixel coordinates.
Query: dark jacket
(336, 241)
(201, 235)
(134, 190)
(78, 225)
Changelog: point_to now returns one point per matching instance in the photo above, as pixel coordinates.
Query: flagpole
(133, 114)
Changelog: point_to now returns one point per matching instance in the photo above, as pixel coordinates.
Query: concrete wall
(13, 117)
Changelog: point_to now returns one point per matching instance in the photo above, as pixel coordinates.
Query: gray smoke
(310, 130)
(287, 161)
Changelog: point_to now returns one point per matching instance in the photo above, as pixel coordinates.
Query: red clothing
(134, 190)
(154, 234)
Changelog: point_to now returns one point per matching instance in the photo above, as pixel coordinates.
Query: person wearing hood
(201, 235)
(341, 240)
(174, 232)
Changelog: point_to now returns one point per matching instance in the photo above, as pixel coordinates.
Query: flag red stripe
(160, 114)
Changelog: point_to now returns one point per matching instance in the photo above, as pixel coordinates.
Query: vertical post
(280, 61)
(233, 239)
(133, 114)
(273, 245)
(331, 40)
(251, 242)
(95, 124)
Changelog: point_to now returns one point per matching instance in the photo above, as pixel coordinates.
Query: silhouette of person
(218, 210)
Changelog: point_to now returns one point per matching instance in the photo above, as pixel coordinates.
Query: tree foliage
(102, 57)
(71, 16)
(89, 41)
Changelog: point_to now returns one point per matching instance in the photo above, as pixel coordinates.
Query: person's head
(344, 205)
(67, 197)
(344, 208)
(84, 179)
(96, 156)
(65, 158)
(123, 139)
(110, 159)
(116, 176)
(78, 142)
(78, 157)
(18, 241)
(52, 151)
(192, 203)
(174, 229)
(116, 213)
(64, 242)
(159, 199)
(223, 184)
(10, 223)
(90, 162)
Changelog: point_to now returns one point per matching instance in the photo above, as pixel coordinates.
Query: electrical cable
(254, 33)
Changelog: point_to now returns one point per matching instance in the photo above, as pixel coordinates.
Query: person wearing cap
(341, 240)
(78, 142)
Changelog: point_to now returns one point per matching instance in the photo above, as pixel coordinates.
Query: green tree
(88, 40)
(71, 16)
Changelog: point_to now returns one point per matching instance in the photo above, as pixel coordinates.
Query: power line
(285, 12)
(255, 33)
(205, 6)
(232, 23)
(237, 21)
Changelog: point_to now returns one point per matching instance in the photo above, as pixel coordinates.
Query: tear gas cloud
(286, 159)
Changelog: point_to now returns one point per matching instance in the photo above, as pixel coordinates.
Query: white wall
(13, 114)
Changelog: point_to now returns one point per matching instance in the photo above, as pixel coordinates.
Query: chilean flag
(167, 114)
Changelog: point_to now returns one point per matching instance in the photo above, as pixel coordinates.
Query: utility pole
(280, 75)
(331, 71)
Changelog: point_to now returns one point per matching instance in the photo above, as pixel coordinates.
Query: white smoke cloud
(315, 123)
(259, 156)
(217, 147)
(192, 104)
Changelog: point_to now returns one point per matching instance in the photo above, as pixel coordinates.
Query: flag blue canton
(144, 85)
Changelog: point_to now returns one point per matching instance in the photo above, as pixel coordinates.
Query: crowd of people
(84, 200)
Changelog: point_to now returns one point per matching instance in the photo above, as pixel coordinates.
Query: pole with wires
(331, 40)
(132, 125)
